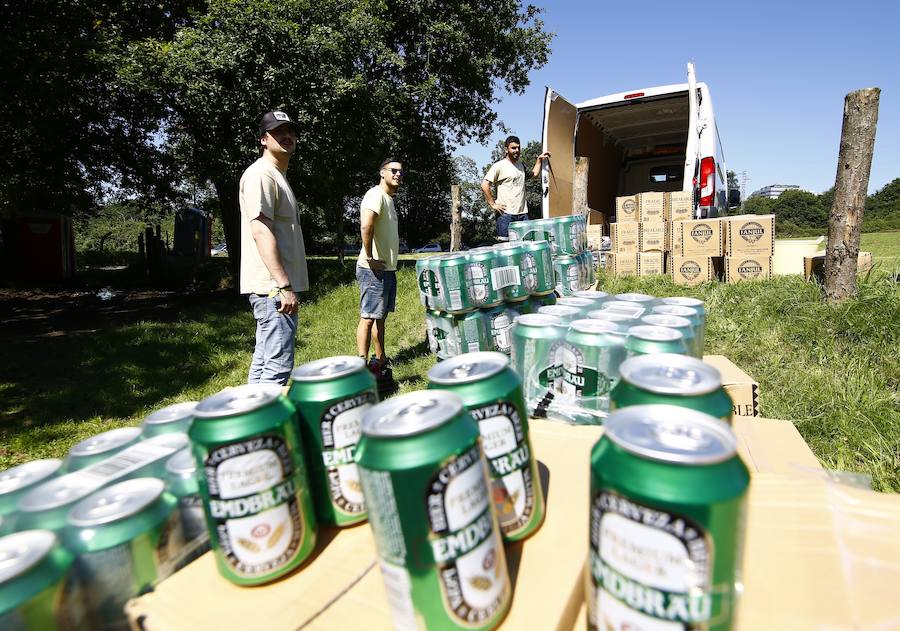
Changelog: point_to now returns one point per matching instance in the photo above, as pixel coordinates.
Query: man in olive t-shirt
(508, 176)
(376, 267)
(273, 256)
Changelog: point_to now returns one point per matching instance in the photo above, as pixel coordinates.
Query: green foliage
(115, 227)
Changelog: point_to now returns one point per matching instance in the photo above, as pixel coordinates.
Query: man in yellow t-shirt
(273, 256)
(376, 267)
(508, 176)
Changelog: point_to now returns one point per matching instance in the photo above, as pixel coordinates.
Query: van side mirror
(734, 198)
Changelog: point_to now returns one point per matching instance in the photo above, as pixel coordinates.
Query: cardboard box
(679, 206)
(699, 237)
(691, 270)
(628, 208)
(652, 207)
(673, 237)
(749, 234)
(624, 237)
(594, 235)
(789, 254)
(747, 267)
(741, 387)
(622, 263)
(651, 263)
(814, 266)
(652, 236)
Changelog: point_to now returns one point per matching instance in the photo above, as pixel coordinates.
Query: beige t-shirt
(386, 239)
(509, 179)
(265, 191)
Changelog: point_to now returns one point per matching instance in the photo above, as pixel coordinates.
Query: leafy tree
(801, 208)
(732, 180)
(364, 79)
(758, 206)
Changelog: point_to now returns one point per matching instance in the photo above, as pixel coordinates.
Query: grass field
(835, 372)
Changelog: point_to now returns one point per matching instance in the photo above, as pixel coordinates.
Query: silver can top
(670, 373)
(58, 492)
(539, 244)
(669, 321)
(468, 367)
(104, 442)
(591, 294)
(654, 333)
(634, 309)
(669, 433)
(25, 475)
(611, 315)
(182, 464)
(116, 502)
(412, 413)
(538, 320)
(560, 311)
(574, 301)
(237, 400)
(684, 301)
(590, 325)
(172, 413)
(634, 297)
(328, 368)
(676, 310)
(21, 551)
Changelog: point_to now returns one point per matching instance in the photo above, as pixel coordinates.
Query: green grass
(833, 371)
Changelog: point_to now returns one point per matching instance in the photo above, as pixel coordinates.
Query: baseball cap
(271, 120)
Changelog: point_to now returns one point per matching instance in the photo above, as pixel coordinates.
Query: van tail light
(707, 181)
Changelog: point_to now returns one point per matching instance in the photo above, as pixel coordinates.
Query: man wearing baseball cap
(273, 257)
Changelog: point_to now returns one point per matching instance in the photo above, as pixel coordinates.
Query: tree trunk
(339, 230)
(455, 223)
(850, 186)
(579, 187)
(227, 192)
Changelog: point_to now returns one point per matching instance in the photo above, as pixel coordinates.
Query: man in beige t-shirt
(273, 257)
(508, 176)
(376, 267)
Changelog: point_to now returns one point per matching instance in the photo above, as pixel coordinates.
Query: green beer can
(125, 538)
(472, 332)
(582, 304)
(622, 320)
(565, 313)
(682, 325)
(667, 504)
(570, 234)
(17, 481)
(492, 393)
(426, 484)
(693, 303)
(537, 342)
(452, 275)
(172, 418)
(253, 481)
(508, 276)
(536, 302)
(692, 315)
(633, 309)
(671, 379)
(423, 282)
(568, 274)
(537, 263)
(591, 357)
(588, 270)
(181, 482)
(100, 447)
(33, 569)
(480, 264)
(645, 300)
(645, 339)
(431, 293)
(331, 396)
(445, 336)
(499, 320)
(595, 296)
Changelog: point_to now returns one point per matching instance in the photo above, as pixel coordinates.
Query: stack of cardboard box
(749, 242)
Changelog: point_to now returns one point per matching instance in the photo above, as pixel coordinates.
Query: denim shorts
(377, 292)
(503, 221)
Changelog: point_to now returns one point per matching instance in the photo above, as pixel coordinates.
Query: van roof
(644, 92)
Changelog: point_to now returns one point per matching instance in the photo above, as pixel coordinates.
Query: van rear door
(558, 137)
(692, 151)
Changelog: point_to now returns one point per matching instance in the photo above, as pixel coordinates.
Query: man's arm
(367, 219)
(264, 236)
(489, 198)
(537, 163)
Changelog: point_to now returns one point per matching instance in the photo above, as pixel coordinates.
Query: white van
(653, 139)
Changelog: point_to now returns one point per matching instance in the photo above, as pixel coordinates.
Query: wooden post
(455, 221)
(579, 187)
(850, 185)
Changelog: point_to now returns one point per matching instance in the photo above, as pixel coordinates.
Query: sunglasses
(397, 172)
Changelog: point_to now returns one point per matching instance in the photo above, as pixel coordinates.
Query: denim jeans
(503, 221)
(273, 357)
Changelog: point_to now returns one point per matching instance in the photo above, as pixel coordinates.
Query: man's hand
(546, 154)
(498, 207)
(375, 265)
(288, 302)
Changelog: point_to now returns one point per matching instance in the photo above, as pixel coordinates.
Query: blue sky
(777, 72)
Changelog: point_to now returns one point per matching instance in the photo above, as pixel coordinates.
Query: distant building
(772, 191)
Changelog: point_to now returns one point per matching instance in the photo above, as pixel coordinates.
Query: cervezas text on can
(125, 538)
(693, 303)
(538, 261)
(666, 521)
(331, 396)
(672, 380)
(645, 339)
(33, 567)
(591, 356)
(492, 393)
(18, 480)
(172, 418)
(100, 447)
(682, 325)
(426, 486)
(253, 481)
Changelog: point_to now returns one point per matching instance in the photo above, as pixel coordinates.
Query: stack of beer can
(573, 263)
(569, 354)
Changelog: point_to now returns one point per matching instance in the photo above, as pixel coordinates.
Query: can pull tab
(462, 371)
(334, 367)
(682, 437)
(418, 409)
